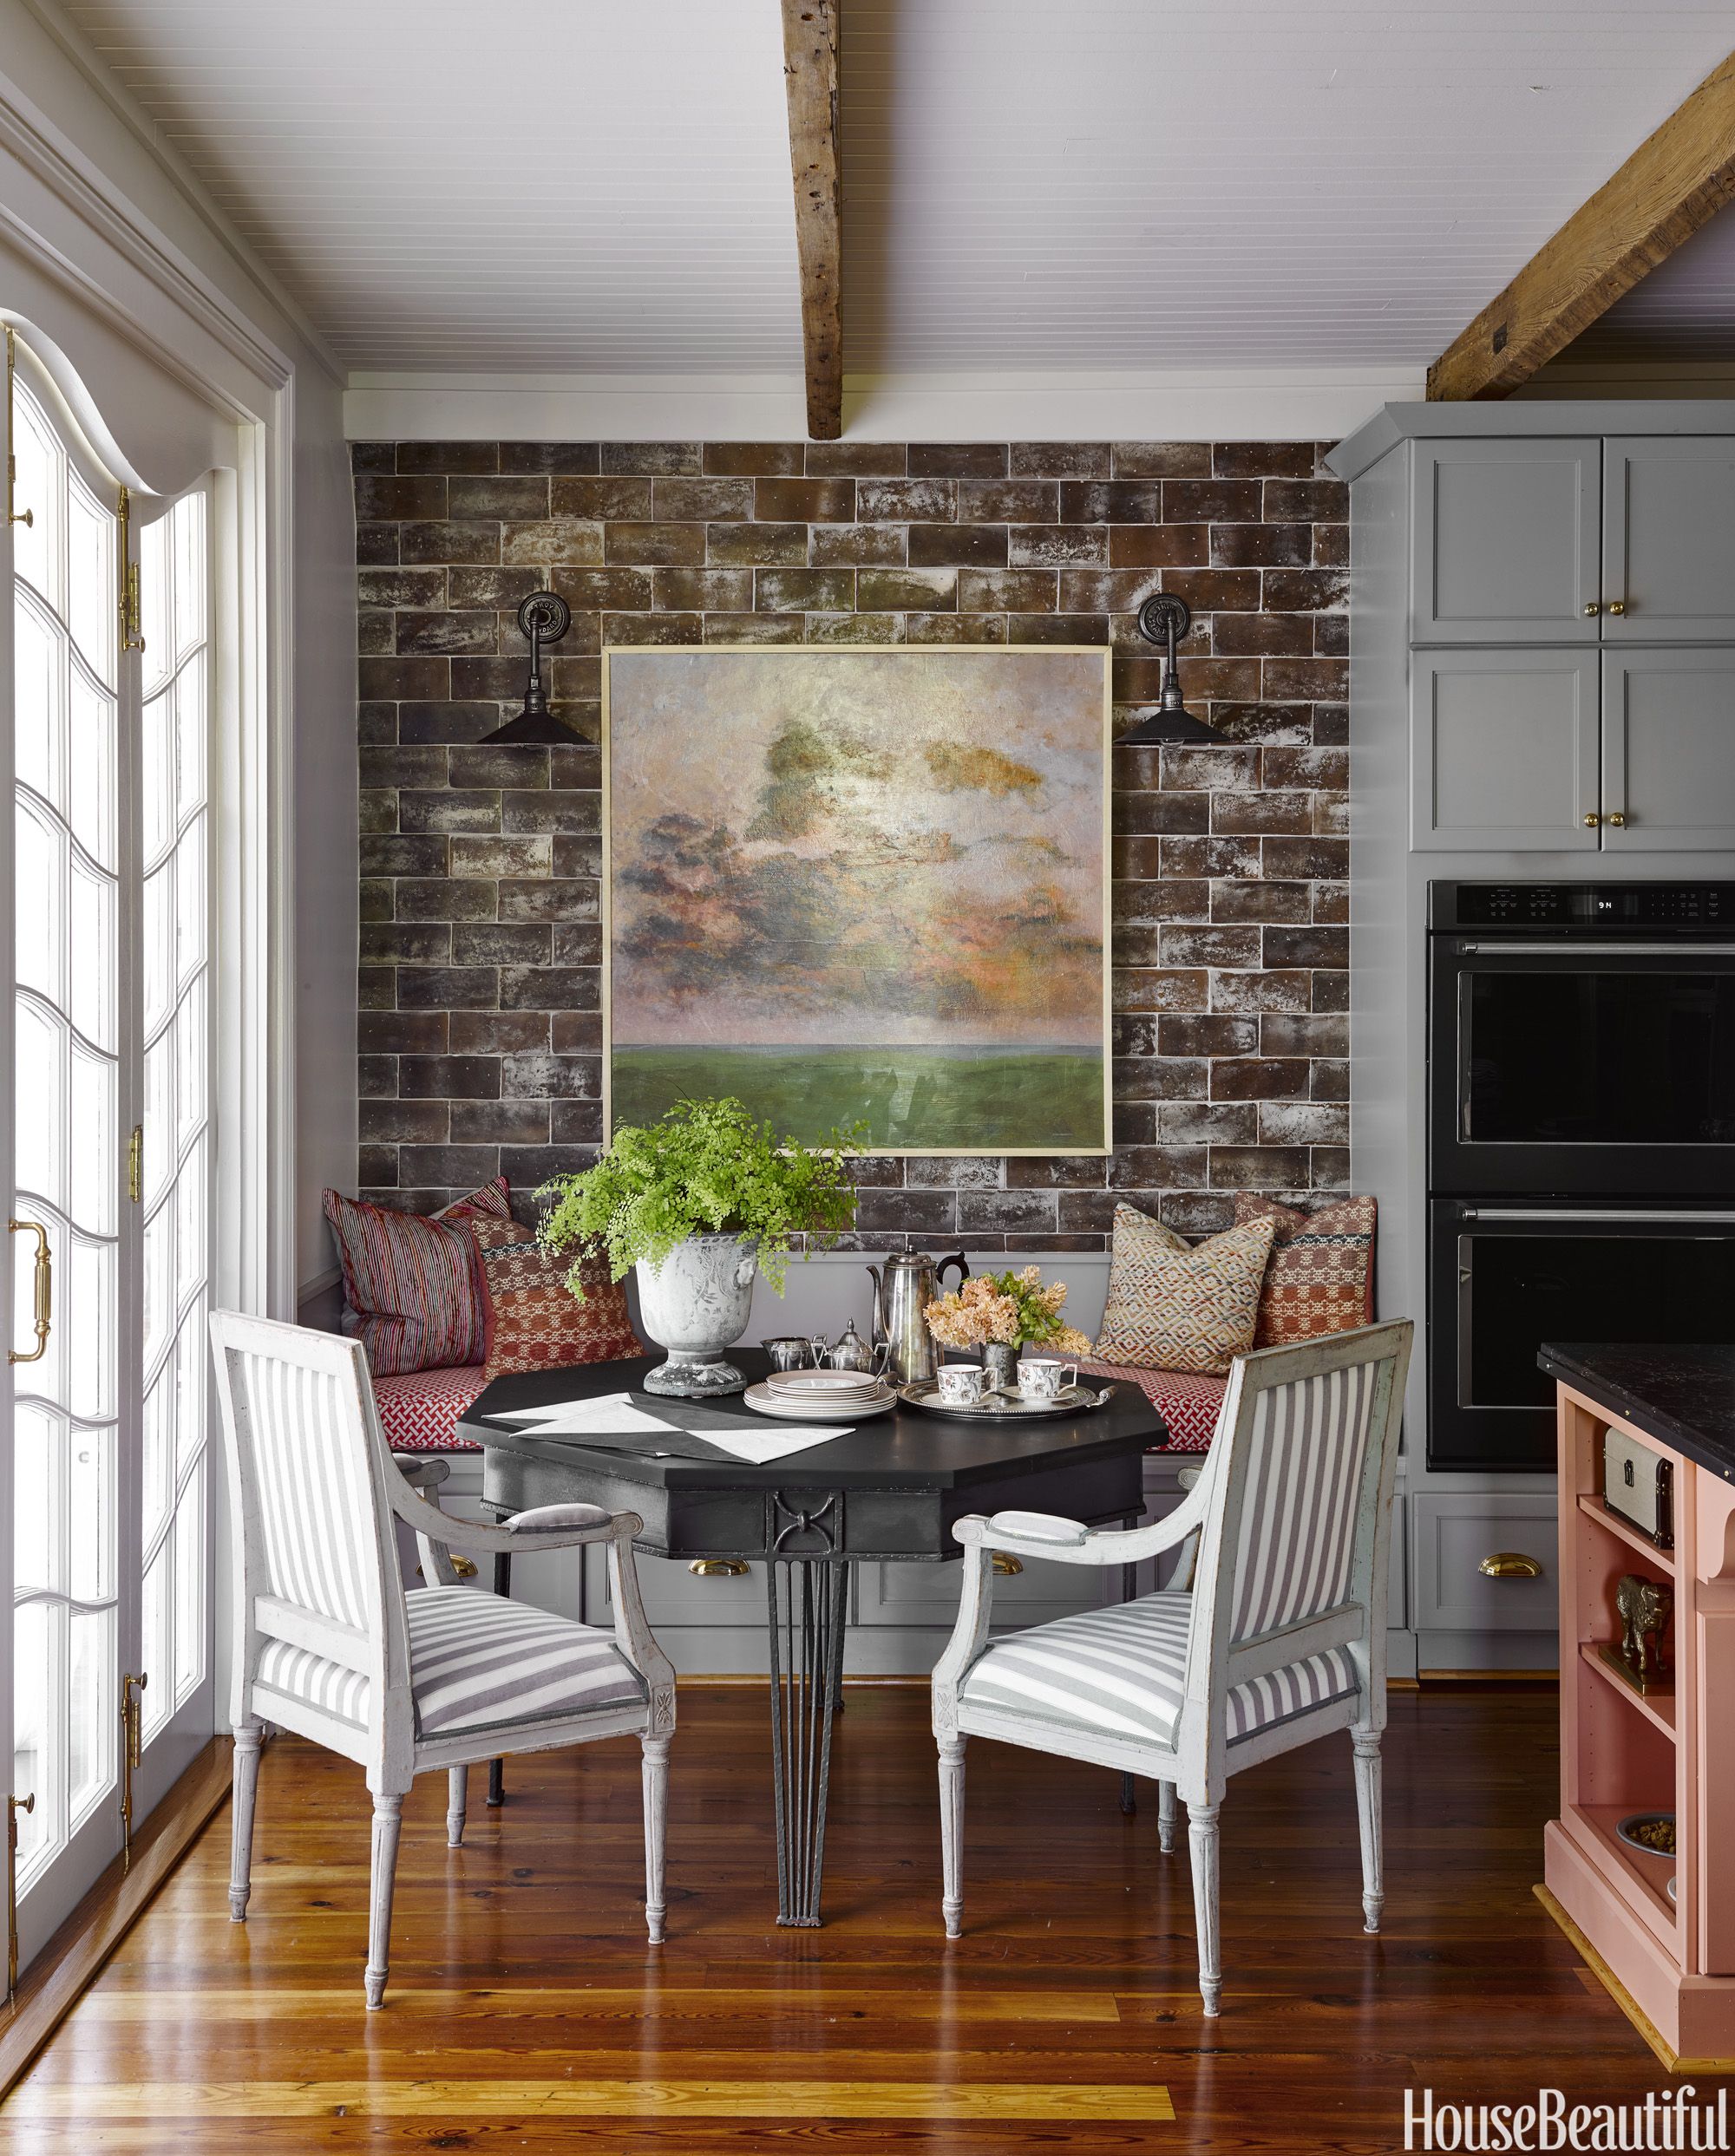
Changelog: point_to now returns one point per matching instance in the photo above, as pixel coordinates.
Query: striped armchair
(329, 1644)
(1281, 1640)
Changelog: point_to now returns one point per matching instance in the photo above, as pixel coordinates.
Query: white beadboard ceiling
(565, 188)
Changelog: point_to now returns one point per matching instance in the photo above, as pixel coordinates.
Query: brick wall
(481, 1031)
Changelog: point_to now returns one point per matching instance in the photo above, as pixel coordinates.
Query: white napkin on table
(616, 1414)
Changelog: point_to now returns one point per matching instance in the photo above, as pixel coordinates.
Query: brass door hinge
(132, 1752)
(136, 1164)
(128, 584)
(14, 514)
(14, 1806)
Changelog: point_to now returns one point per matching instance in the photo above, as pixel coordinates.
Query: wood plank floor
(526, 2013)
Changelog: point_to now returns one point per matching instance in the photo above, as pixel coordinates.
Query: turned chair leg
(1165, 1816)
(1369, 1808)
(655, 1781)
(1202, 1836)
(388, 1812)
(952, 1834)
(248, 1738)
(457, 1804)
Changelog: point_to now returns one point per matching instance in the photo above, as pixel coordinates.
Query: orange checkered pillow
(535, 1323)
(1173, 1307)
(1321, 1279)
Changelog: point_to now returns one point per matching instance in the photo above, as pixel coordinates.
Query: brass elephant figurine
(1645, 1608)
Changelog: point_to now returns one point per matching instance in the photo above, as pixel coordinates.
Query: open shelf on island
(1593, 1508)
(1642, 1880)
(1657, 1707)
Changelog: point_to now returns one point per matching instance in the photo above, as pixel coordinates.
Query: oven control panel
(1583, 907)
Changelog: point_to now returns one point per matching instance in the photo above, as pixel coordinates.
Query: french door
(111, 947)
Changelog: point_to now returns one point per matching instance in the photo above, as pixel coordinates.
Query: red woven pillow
(1320, 1277)
(413, 1285)
(533, 1321)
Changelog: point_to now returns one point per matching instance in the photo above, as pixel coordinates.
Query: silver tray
(1006, 1407)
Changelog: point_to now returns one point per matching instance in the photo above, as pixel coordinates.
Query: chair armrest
(547, 1520)
(420, 1472)
(1070, 1542)
(475, 1540)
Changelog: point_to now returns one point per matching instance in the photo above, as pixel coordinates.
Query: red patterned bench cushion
(1188, 1404)
(419, 1411)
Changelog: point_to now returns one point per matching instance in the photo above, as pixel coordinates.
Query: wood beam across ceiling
(1676, 180)
(810, 76)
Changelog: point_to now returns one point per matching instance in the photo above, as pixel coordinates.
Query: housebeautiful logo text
(1672, 2120)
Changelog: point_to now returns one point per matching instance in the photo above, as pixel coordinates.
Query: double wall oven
(1582, 1140)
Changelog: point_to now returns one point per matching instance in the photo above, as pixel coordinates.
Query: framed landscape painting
(862, 885)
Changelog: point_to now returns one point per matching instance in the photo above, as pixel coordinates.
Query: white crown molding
(82, 184)
(1192, 404)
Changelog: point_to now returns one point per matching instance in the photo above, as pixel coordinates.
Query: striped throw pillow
(1173, 1307)
(413, 1285)
(1321, 1279)
(533, 1321)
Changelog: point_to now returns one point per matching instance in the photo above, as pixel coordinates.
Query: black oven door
(1601, 1066)
(1503, 1279)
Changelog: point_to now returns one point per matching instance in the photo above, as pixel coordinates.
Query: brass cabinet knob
(1617, 818)
(1617, 606)
(1510, 1564)
(717, 1567)
(1592, 607)
(1007, 1565)
(1591, 821)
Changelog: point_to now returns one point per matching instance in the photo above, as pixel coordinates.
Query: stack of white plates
(822, 1395)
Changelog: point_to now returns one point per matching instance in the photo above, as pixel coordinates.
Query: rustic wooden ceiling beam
(1676, 180)
(810, 76)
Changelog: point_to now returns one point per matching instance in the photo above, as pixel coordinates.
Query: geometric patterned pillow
(1173, 1307)
(1321, 1278)
(412, 1285)
(534, 1321)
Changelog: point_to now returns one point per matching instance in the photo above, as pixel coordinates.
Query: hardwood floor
(526, 2012)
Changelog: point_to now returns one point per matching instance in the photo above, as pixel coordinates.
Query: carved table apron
(885, 1489)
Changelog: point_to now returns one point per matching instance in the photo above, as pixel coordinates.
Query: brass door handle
(1591, 607)
(1510, 1564)
(1617, 606)
(717, 1567)
(1592, 819)
(44, 1287)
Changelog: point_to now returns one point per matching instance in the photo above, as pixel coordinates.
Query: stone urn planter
(696, 1304)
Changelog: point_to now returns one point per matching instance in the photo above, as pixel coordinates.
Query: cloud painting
(862, 885)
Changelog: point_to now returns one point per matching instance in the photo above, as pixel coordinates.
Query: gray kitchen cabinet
(1504, 751)
(1668, 517)
(1506, 541)
(1668, 751)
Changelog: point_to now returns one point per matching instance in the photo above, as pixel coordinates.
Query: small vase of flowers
(1001, 1312)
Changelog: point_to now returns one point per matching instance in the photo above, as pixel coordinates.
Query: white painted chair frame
(390, 1748)
(1199, 1761)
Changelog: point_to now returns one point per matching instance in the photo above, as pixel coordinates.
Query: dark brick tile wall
(481, 943)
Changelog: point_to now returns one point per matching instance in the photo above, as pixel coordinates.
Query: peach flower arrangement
(1011, 1308)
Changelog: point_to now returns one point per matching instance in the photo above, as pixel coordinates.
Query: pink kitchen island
(1659, 1931)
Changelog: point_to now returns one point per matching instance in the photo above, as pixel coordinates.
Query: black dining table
(889, 1488)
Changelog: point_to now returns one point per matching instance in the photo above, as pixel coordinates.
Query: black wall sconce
(1165, 619)
(543, 617)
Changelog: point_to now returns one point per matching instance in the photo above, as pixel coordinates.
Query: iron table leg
(502, 1585)
(806, 1599)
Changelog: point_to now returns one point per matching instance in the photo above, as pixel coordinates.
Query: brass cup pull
(464, 1567)
(1617, 606)
(1592, 819)
(717, 1567)
(43, 1289)
(1007, 1567)
(1617, 817)
(1510, 1564)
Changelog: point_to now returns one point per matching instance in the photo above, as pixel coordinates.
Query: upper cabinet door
(1503, 751)
(1669, 568)
(1506, 542)
(1669, 752)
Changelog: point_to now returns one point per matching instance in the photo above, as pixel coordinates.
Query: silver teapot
(905, 1283)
